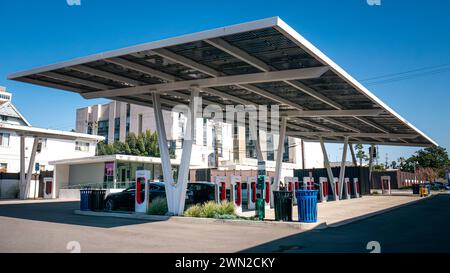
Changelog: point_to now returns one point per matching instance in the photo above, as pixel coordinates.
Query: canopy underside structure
(264, 62)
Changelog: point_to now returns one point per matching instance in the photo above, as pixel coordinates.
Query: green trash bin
(283, 201)
(260, 209)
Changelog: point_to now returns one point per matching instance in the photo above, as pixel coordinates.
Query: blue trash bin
(85, 199)
(307, 205)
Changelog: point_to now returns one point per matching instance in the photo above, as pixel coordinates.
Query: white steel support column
(352, 151)
(22, 185)
(371, 164)
(328, 167)
(30, 167)
(164, 152)
(342, 173)
(183, 172)
(280, 151)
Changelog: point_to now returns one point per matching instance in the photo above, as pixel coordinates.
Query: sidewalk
(344, 211)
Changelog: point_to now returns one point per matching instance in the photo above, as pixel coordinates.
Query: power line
(407, 75)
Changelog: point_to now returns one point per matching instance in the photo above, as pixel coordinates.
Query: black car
(197, 193)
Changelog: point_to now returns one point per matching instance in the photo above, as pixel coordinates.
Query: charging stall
(323, 187)
(386, 184)
(347, 190)
(142, 191)
(236, 192)
(48, 187)
(251, 181)
(335, 184)
(356, 188)
(296, 187)
(221, 188)
(308, 183)
(267, 191)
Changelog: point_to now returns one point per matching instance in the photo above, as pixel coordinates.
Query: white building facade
(49, 149)
(216, 145)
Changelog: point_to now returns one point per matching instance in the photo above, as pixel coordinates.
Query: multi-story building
(216, 145)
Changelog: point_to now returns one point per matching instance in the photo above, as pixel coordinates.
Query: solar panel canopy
(263, 62)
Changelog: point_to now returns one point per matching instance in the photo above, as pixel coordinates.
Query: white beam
(22, 168)
(31, 166)
(183, 172)
(141, 68)
(238, 53)
(280, 151)
(75, 80)
(342, 173)
(344, 134)
(336, 140)
(262, 77)
(331, 113)
(105, 75)
(328, 167)
(164, 154)
(352, 151)
(186, 62)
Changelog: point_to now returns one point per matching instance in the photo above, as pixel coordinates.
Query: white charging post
(348, 189)
(251, 181)
(289, 184)
(357, 188)
(236, 192)
(221, 188)
(336, 188)
(48, 187)
(142, 191)
(323, 187)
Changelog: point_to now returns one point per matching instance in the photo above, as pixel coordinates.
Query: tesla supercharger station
(356, 187)
(347, 188)
(308, 183)
(267, 191)
(386, 184)
(251, 181)
(323, 186)
(142, 191)
(48, 187)
(221, 188)
(296, 187)
(336, 188)
(236, 192)
(290, 186)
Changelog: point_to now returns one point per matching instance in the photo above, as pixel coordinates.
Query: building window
(4, 139)
(270, 147)
(3, 167)
(217, 140)
(116, 129)
(81, 146)
(140, 118)
(250, 144)
(4, 118)
(103, 128)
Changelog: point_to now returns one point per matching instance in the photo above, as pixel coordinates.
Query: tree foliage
(143, 144)
(435, 158)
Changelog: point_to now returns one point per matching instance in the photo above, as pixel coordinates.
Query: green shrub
(212, 210)
(194, 211)
(158, 206)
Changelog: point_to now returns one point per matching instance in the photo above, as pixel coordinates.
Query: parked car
(197, 193)
(438, 186)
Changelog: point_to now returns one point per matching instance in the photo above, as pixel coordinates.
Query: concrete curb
(194, 220)
(375, 213)
(137, 216)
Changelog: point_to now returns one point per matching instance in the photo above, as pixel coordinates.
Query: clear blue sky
(367, 41)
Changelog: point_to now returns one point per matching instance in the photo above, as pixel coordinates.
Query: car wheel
(109, 204)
